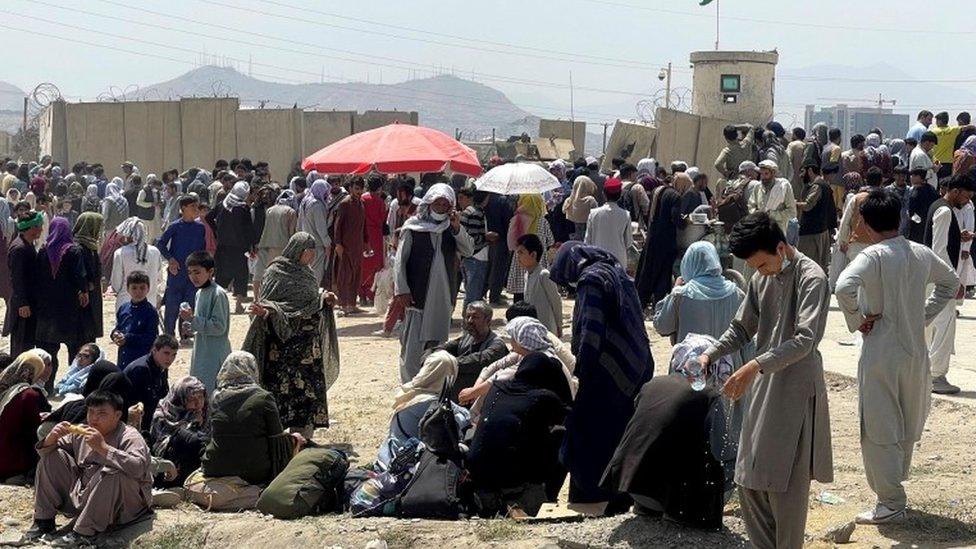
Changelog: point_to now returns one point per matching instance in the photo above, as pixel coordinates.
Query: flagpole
(716, 25)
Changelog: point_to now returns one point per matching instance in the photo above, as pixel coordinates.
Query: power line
(822, 26)
(499, 106)
(252, 11)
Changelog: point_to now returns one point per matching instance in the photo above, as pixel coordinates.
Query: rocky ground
(942, 490)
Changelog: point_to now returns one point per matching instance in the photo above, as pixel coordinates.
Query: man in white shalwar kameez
(966, 217)
(882, 293)
(426, 271)
(944, 236)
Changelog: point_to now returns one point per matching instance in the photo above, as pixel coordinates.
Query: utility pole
(667, 88)
(25, 115)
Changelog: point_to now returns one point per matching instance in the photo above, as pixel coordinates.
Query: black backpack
(439, 429)
(433, 492)
(627, 201)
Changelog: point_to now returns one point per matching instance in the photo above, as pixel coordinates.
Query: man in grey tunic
(785, 437)
(882, 293)
(426, 271)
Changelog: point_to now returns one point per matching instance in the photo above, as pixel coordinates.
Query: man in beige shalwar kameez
(785, 437)
(98, 473)
(882, 293)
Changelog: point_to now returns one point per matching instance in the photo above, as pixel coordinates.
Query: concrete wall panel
(52, 128)
(95, 134)
(630, 141)
(370, 120)
(677, 137)
(272, 135)
(153, 139)
(565, 129)
(710, 144)
(323, 128)
(209, 130)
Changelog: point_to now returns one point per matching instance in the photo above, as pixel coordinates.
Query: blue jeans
(475, 277)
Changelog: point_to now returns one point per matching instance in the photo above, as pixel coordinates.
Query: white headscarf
(425, 220)
(428, 382)
(648, 166)
(113, 193)
(133, 228)
(237, 195)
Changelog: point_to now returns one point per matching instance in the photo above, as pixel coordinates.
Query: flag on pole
(705, 2)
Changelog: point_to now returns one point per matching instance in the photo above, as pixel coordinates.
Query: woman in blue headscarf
(702, 301)
(613, 361)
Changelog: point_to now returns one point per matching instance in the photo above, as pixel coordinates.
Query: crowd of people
(737, 272)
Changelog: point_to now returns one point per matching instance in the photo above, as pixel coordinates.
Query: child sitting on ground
(136, 322)
(209, 320)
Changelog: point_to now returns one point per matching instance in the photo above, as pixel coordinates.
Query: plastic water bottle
(696, 373)
(185, 326)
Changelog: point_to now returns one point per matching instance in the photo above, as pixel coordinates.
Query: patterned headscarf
(133, 229)
(423, 221)
(58, 241)
(529, 333)
(237, 196)
(87, 230)
(91, 202)
(22, 373)
(172, 409)
(969, 145)
(238, 373)
(113, 193)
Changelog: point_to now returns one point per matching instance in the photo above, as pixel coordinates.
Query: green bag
(311, 484)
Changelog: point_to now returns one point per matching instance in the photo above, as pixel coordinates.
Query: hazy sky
(614, 49)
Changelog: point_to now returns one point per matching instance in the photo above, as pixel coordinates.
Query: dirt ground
(942, 488)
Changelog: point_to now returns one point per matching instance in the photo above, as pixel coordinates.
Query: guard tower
(734, 85)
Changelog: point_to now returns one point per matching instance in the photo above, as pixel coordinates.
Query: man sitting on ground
(98, 473)
(476, 348)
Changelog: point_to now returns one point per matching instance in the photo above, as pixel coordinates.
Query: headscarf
(871, 144)
(58, 241)
(969, 145)
(896, 147)
(113, 194)
(7, 223)
(647, 166)
(583, 186)
(529, 333)
(100, 370)
(682, 182)
(31, 199)
(821, 133)
(13, 195)
(423, 221)
(692, 173)
(22, 373)
(76, 190)
(312, 177)
(238, 373)
(133, 229)
(317, 191)
(237, 196)
(428, 382)
(91, 201)
(558, 169)
(531, 208)
(88, 228)
(286, 198)
(702, 273)
(603, 284)
(538, 371)
(172, 408)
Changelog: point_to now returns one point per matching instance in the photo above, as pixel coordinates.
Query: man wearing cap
(775, 196)
(818, 216)
(608, 226)
(22, 257)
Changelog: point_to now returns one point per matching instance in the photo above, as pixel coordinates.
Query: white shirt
(608, 227)
(920, 160)
(124, 263)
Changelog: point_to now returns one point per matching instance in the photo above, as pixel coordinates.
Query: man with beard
(350, 241)
(476, 348)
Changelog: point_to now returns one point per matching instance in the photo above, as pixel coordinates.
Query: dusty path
(942, 490)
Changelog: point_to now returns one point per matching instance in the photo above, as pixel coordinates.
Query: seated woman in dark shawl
(293, 337)
(613, 361)
(516, 447)
(22, 401)
(180, 428)
(247, 439)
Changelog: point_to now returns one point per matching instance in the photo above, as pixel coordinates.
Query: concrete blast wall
(153, 135)
(95, 133)
(694, 139)
(323, 128)
(209, 130)
(630, 141)
(370, 120)
(272, 135)
(52, 130)
(565, 129)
